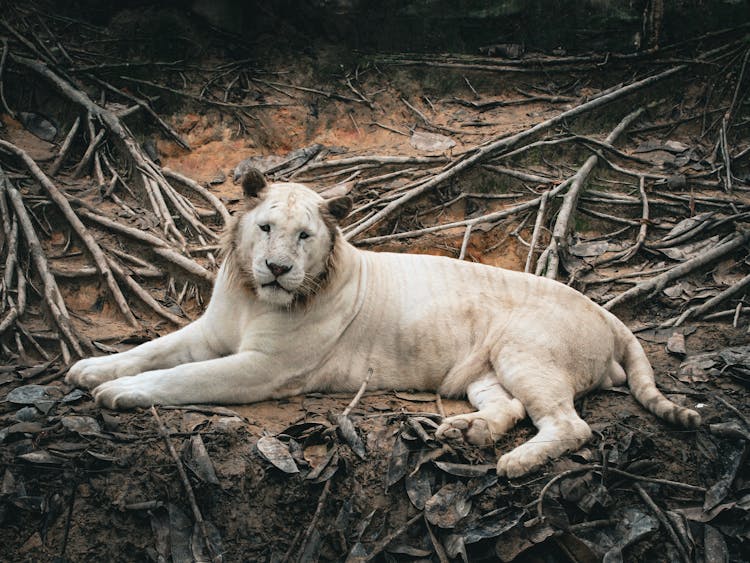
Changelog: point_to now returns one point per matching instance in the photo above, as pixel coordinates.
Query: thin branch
(664, 522)
(195, 186)
(537, 229)
(52, 295)
(559, 242)
(65, 148)
(488, 218)
(699, 310)
(93, 247)
(359, 394)
(164, 433)
(486, 151)
(659, 282)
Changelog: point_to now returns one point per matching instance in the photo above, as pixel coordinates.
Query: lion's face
(283, 244)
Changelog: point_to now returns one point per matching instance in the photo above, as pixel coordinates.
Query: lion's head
(282, 246)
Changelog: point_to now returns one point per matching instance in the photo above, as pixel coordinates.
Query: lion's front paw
(91, 372)
(124, 393)
(520, 461)
(472, 428)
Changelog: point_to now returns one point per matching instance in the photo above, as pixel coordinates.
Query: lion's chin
(275, 294)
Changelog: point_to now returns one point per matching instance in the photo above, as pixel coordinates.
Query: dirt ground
(279, 480)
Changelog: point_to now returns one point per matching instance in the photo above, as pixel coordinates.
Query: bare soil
(110, 491)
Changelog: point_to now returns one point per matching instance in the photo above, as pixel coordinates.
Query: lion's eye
(304, 235)
(265, 228)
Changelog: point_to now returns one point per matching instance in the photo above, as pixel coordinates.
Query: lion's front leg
(240, 378)
(188, 344)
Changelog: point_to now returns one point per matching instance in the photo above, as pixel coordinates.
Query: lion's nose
(277, 269)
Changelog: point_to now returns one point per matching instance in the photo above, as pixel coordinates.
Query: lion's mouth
(275, 285)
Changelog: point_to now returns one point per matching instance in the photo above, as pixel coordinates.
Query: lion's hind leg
(548, 399)
(497, 412)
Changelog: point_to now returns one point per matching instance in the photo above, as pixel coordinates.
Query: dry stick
(147, 169)
(2, 89)
(316, 517)
(52, 294)
(87, 272)
(20, 290)
(160, 246)
(11, 243)
(661, 177)
(144, 295)
(658, 283)
(9, 319)
(93, 247)
(486, 151)
(596, 467)
(170, 228)
(65, 148)
(698, 310)
(186, 209)
(372, 159)
(201, 98)
(164, 433)
(439, 549)
(359, 394)
(489, 218)
(333, 95)
(207, 195)
(559, 242)
(80, 168)
(147, 108)
(664, 522)
(536, 231)
(465, 242)
(628, 253)
(146, 266)
(185, 263)
(525, 176)
(383, 543)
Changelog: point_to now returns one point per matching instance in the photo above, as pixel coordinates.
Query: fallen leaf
(589, 249)
(318, 457)
(719, 490)
(464, 469)
(448, 506)
(398, 464)
(32, 394)
(518, 539)
(83, 425)
(417, 397)
(274, 451)
(197, 458)
(349, 433)
(198, 544)
(688, 224)
(180, 533)
(491, 525)
(676, 344)
(430, 142)
(38, 125)
(419, 487)
(690, 250)
(41, 457)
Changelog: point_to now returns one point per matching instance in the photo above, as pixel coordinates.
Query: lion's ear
(339, 207)
(252, 182)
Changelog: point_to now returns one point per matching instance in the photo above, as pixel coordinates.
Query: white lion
(296, 309)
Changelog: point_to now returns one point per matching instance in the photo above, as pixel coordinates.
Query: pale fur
(516, 344)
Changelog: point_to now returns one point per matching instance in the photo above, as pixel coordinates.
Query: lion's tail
(642, 386)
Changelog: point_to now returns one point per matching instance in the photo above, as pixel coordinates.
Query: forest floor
(474, 157)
